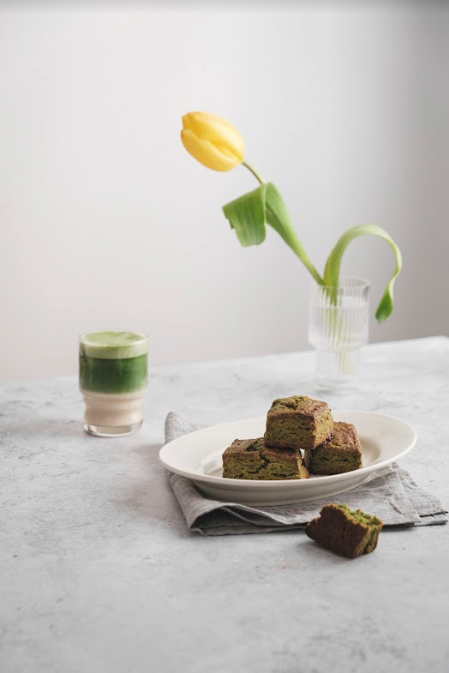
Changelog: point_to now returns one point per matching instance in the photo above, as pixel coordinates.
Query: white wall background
(107, 222)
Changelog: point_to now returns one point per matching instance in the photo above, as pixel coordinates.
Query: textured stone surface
(98, 572)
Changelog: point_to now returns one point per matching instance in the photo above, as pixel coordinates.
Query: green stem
(301, 253)
(281, 222)
(254, 172)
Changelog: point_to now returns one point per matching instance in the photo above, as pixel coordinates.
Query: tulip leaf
(246, 216)
(249, 213)
(277, 216)
(332, 268)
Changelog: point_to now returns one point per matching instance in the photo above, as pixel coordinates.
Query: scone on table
(252, 459)
(298, 422)
(344, 531)
(341, 453)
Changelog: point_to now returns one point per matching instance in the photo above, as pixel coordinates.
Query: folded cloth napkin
(391, 495)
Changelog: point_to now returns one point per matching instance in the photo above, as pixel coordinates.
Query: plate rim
(274, 483)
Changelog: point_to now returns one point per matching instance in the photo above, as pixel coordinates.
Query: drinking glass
(113, 376)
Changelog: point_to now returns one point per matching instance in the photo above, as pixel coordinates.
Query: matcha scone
(341, 453)
(298, 422)
(345, 532)
(251, 459)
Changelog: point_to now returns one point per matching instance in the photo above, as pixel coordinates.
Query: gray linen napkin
(391, 495)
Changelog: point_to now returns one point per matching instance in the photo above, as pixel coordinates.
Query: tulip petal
(218, 132)
(206, 153)
(216, 129)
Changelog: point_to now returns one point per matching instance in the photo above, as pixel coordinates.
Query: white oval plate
(198, 455)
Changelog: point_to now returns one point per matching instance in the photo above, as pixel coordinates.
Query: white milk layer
(113, 410)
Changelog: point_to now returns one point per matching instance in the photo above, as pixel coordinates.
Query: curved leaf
(249, 213)
(332, 268)
(246, 216)
(277, 216)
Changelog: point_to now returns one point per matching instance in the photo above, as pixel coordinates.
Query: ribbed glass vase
(338, 328)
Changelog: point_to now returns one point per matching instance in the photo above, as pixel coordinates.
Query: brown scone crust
(244, 445)
(299, 405)
(254, 446)
(345, 532)
(251, 459)
(298, 422)
(340, 453)
(344, 436)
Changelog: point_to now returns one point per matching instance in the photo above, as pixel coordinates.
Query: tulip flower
(212, 140)
(218, 145)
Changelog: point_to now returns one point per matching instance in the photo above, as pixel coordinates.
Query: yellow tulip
(212, 140)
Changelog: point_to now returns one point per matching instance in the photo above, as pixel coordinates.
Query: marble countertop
(98, 572)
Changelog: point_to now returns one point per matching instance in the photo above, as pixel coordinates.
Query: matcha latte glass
(113, 379)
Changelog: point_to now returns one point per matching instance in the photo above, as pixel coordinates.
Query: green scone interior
(341, 453)
(252, 459)
(344, 531)
(298, 422)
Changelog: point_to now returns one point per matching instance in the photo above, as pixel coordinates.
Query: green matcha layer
(113, 362)
(341, 453)
(346, 532)
(298, 422)
(251, 459)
